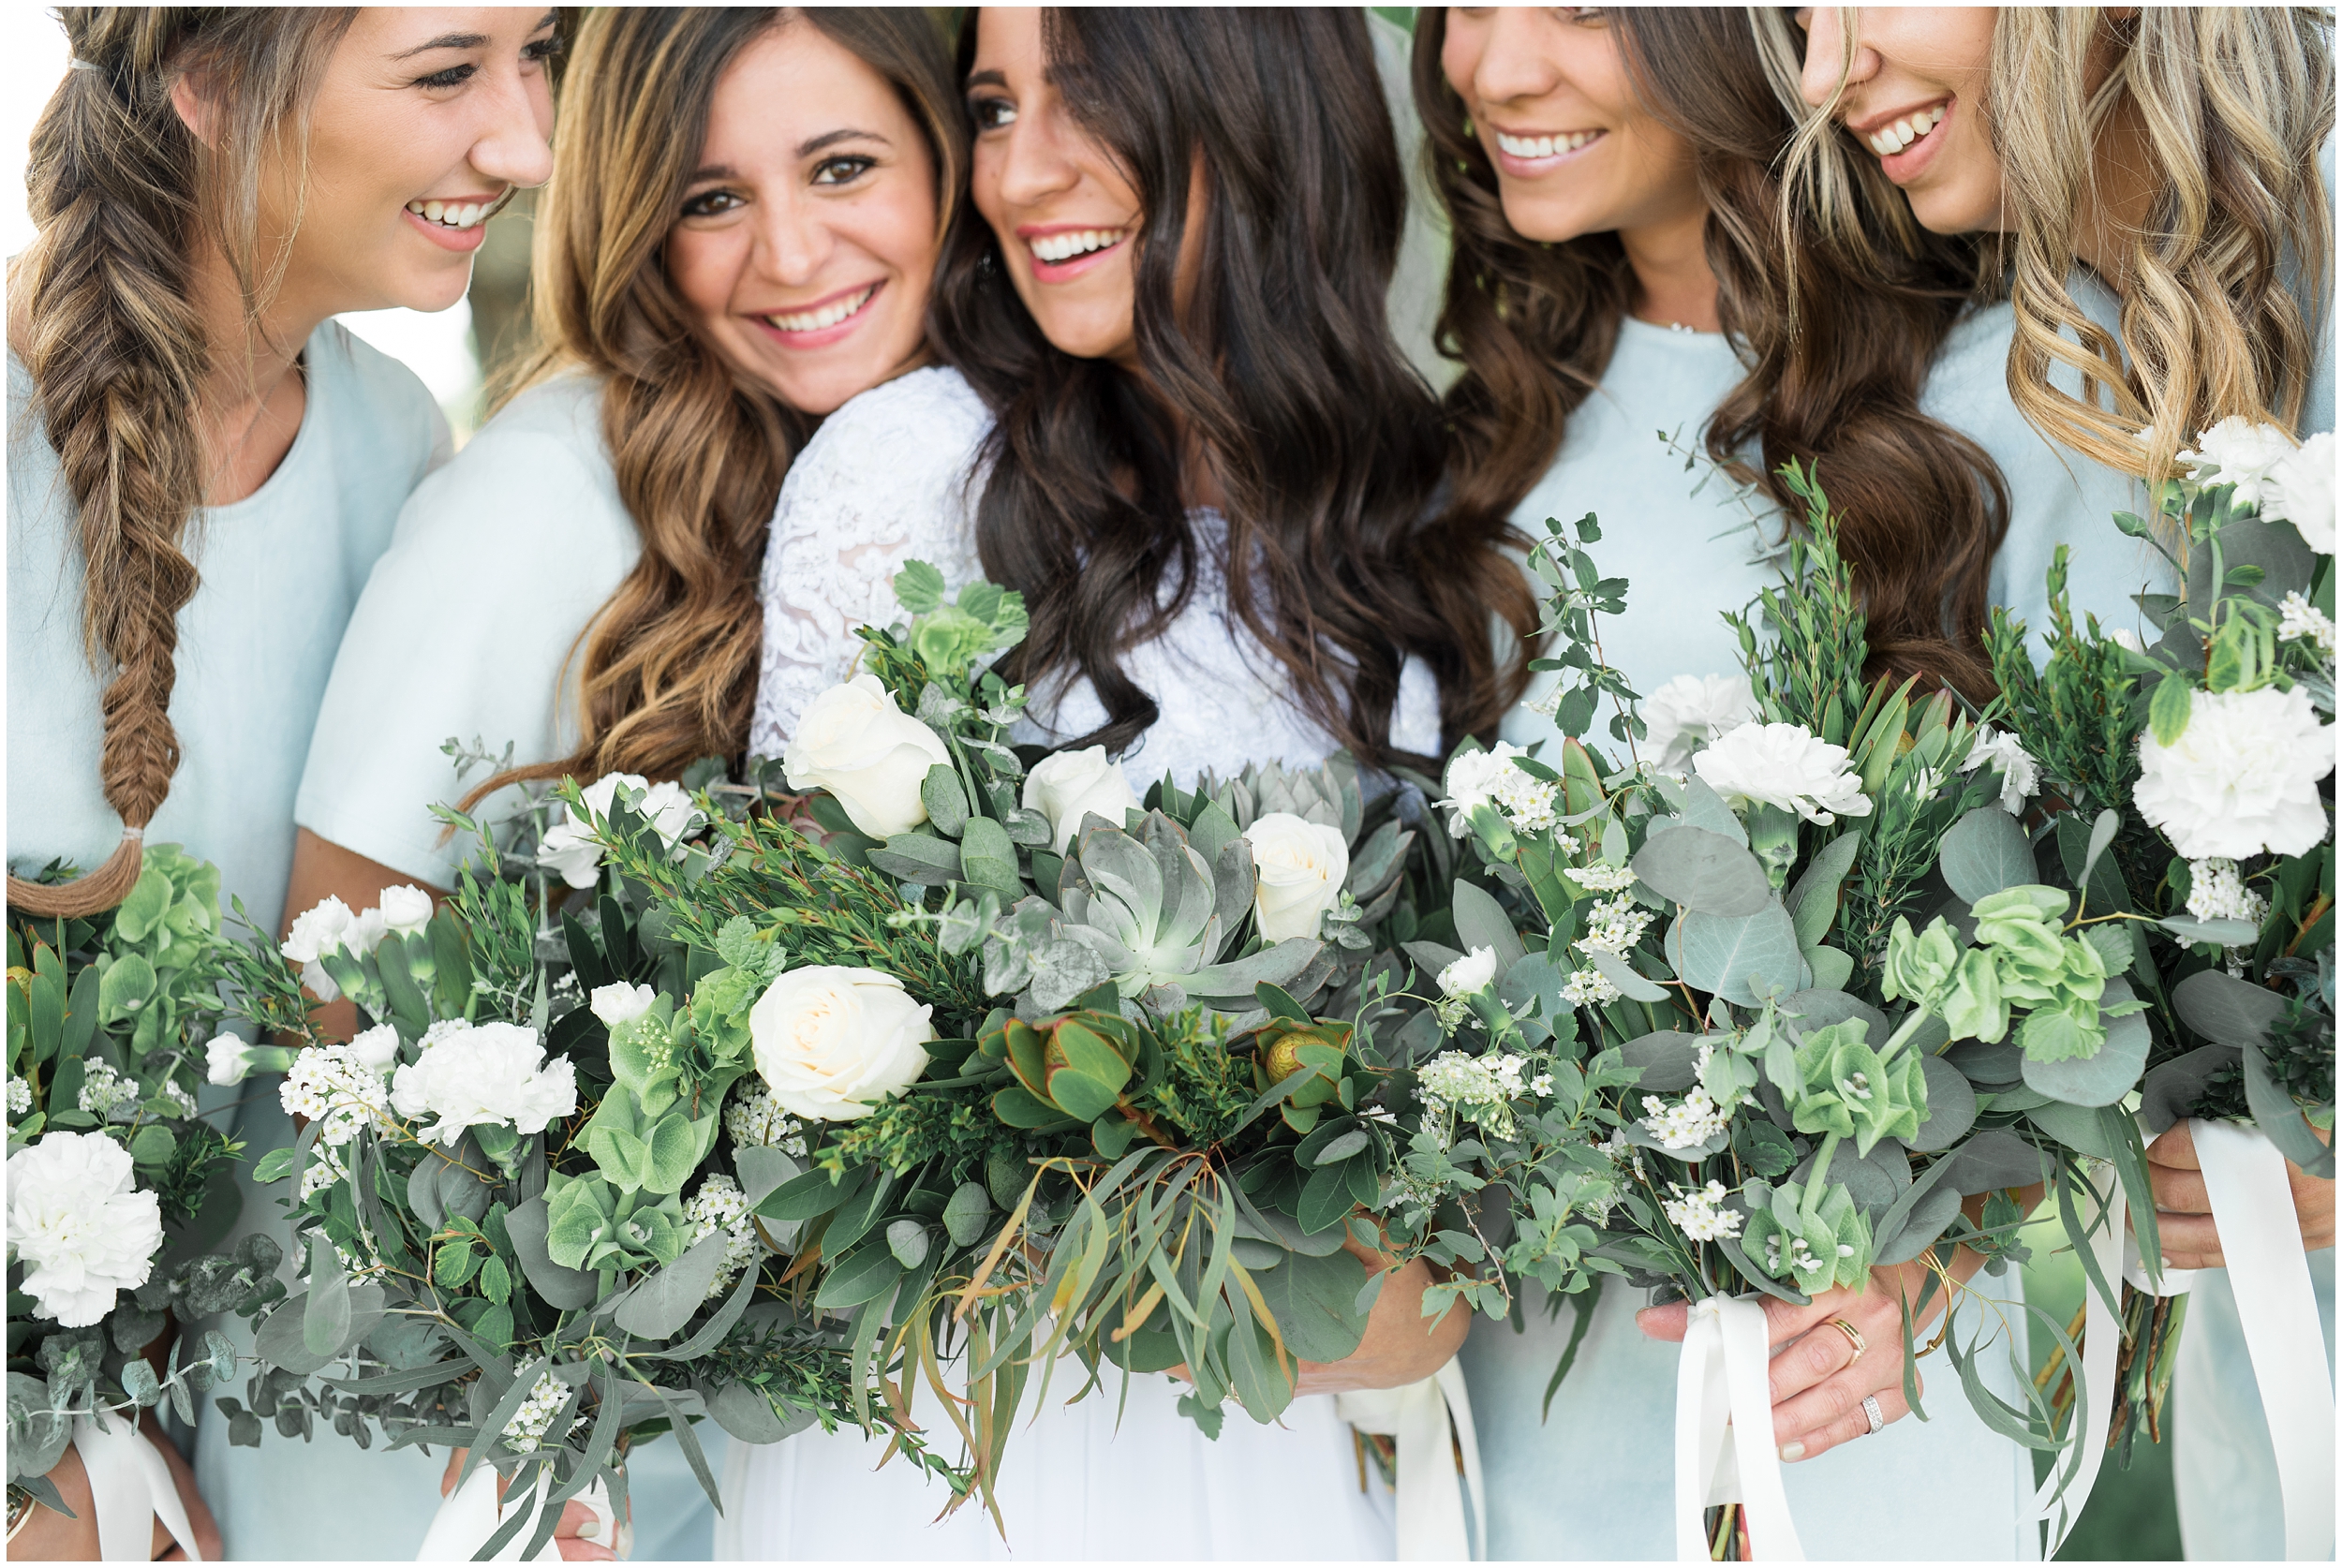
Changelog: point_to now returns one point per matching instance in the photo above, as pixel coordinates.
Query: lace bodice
(893, 476)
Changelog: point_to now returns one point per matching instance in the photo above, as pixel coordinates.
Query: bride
(1180, 427)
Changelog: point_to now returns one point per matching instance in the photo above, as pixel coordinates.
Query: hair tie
(77, 63)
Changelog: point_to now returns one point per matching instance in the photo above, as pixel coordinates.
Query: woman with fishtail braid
(202, 466)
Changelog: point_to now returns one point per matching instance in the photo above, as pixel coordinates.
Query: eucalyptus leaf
(1618, 972)
(2227, 1010)
(660, 1305)
(1951, 1106)
(1668, 1061)
(1985, 852)
(1992, 1160)
(1313, 1300)
(1705, 871)
(2280, 1120)
(563, 1289)
(1724, 955)
(1814, 896)
(2107, 1074)
(2223, 933)
(2172, 1089)
(1481, 921)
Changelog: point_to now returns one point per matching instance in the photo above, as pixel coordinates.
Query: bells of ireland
(1920, 967)
(2021, 925)
(1829, 1246)
(1847, 1091)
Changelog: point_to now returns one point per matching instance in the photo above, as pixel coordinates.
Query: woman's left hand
(1819, 1381)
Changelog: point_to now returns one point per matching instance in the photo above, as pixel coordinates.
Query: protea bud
(1075, 1066)
(1283, 1049)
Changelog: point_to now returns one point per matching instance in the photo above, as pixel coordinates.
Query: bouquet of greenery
(2206, 760)
(1826, 982)
(524, 1234)
(1056, 1073)
(115, 1188)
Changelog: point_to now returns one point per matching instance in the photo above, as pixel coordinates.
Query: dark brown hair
(122, 195)
(1281, 367)
(1922, 507)
(699, 447)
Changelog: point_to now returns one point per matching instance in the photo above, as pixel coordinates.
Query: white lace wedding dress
(891, 477)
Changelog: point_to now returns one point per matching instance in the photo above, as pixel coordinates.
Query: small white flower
(1699, 1213)
(20, 1097)
(2241, 779)
(529, 1424)
(2300, 491)
(106, 1094)
(323, 1170)
(2216, 892)
(1600, 879)
(405, 909)
(2020, 775)
(720, 1206)
(2298, 620)
(1784, 765)
(1542, 1084)
(1613, 925)
(755, 1121)
(620, 1003)
(2246, 454)
(78, 1226)
(1694, 1122)
(1690, 711)
(484, 1075)
(179, 1098)
(1468, 974)
(1589, 987)
(1476, 778)
(335, 1087)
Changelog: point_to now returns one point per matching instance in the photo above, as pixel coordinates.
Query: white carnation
(569, 847)
(1468, 974)
(620, 1003)
(1690, 711)
(2020, 775)
(1784, 765)
(315, 931)
(405, 909)
(2300, 491)
(2241, 779)
(484, 1075)
(376, 1048)
(77, 1226)
(2244, 453)
(226, 1059)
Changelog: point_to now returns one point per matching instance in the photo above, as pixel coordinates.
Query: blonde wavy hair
(2221, 288)
(123, 194)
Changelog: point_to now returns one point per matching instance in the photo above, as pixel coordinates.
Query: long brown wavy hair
(1922, 507)
(124, 195)
(1281, 367)
(699, 448)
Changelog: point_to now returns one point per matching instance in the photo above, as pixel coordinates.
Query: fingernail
(1793, 1451)
(592, 1528)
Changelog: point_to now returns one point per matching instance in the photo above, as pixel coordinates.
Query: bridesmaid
(2189, 273)
(1177, 422)
(1620, 272)
(202, 466)
(739, 237)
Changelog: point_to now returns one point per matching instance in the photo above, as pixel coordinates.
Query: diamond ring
(1869, 1408)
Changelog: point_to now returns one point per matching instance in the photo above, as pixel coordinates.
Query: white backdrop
(33, 56)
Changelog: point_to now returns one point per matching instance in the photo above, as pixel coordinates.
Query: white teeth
(453, 215)
(1890, 139)
(827, 316)
(1064, 247)
(1544, 146)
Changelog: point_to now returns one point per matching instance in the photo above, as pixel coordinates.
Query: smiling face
(807, 237)
(1915, 97)
(1550, 97)
(424, 124)
(1062, 209)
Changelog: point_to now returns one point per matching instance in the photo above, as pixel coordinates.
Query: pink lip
(823, 336)
(1905, 166)
(463, 240)
(1071, 268)
(1530, 169)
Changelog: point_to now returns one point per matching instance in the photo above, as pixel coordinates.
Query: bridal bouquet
(1052, 1072)
(2207, 757)
(115, 1189)
(1844, 983)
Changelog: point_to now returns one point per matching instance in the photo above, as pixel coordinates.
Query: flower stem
(1811, 1207)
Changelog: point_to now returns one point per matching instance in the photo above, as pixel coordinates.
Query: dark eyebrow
(713, 172)
(830, 138)
(987, 79)
(446, 40)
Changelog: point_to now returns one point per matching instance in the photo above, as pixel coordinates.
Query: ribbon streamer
(1431, 1421)
(130, 1487)
(1722, 1395)
(469, 1515)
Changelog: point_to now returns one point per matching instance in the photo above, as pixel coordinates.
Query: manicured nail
(1793, 1451)
(592, 1528)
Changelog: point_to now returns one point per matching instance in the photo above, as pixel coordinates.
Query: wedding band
(1854, 1338)
(1869, 1408)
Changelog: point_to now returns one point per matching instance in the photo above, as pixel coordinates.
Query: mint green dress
(280, 571)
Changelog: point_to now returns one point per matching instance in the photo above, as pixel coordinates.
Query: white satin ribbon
(2252, 1207)
(1724, 1446)
(1431, 1421)
(2101, 1349)
(130, 1487)
(469, 1515)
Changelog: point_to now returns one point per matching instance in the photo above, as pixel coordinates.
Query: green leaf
(1481, 921)
(2225, 933)
(1951, 1106)
(1833, 968)
(967, 1215)
(2102, 833)
(127, 986)
(664, 1303)
(1019, 1108)
(1313, 1300)
(988, 858)
(1724, 956)
(919, 588)
(919, 857)
(1985, 852)
(1704, 871)
(325, 1322)
(563, 1289)
(946, 802)
(861, 1276)
(2279, 1119)
(1667, 1061)
(1630, 982)
(1814, 898)
(2167, 710)
(2227, 1010)
(813, 1195)
(153, 1144)
(1326, 1199)
(274, 1166)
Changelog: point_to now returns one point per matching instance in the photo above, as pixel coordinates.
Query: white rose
(855, 742)
(832, 1041)
(76, 1224)
(1302, 865)
(620, 1003)
(226, 1059)
(2241, 778)
(405, 909)
(1071, 784)
(484, 1075)
(1785, 765)
(1470, 974)
(2245, 453)
(2300, 491)
(1691, 710)
(2020, 775)
(376, 1048)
